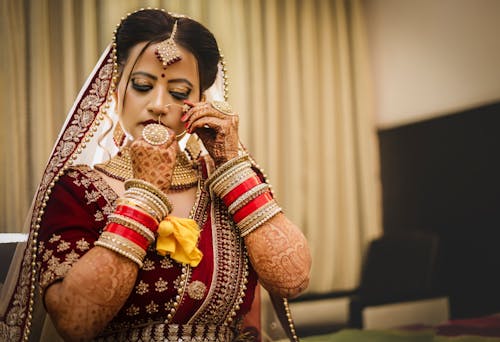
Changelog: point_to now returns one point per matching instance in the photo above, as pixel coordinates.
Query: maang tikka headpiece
(167, 51)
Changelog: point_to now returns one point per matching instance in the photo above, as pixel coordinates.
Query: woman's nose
(159, 103)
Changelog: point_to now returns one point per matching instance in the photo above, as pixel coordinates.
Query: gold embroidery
(74, 174)
(81, 124)
(55, 238)
(41, 247)
(142, 288)
(53, 263)
(132, 310)
(92, 196)
(161, 285)
(196, 290)
(55, 268)
(166, 263)
(108, 209)
(72, 257)
(101, 185)
(82, 244)
(98, 216)
(148, 265)
(46, 256)
(86, 182)
(62, 246)
(152, 308)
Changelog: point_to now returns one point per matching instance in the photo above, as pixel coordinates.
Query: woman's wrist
(134, 224)
(248, 199)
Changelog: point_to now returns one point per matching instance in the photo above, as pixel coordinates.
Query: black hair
(153, 26)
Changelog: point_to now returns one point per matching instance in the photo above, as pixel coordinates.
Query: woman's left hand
(217, 126)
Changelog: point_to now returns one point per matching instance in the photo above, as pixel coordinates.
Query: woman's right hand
(155, 164)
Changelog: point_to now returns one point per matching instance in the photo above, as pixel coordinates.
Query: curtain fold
(299, 77)
(14, 138)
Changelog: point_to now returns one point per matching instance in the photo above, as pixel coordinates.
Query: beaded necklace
(185, 176)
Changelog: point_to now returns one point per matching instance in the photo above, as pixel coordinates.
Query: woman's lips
(148, 122)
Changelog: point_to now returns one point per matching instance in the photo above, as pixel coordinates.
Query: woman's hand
(217, 126)
(155, 164)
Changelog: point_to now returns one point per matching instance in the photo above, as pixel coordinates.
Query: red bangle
(129, 234)
(252, 206)
(139, 216)
(240, 189)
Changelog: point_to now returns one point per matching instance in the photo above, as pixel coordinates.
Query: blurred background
(372, 118)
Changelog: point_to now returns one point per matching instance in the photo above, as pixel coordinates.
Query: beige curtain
(299, 77)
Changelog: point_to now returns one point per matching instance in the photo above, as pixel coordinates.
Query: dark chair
(8, 244)
(397, 268)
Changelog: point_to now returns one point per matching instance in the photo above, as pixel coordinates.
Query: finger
(201, 110)
(206, 113)
(207, 122)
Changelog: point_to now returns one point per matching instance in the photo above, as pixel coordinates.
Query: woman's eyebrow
(145, 74)
(182, 80)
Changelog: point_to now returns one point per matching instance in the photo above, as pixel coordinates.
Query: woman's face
(146, 91)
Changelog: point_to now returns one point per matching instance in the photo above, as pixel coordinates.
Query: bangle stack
(133, 225)
(247, 198)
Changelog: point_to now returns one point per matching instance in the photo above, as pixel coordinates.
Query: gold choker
(119, 167)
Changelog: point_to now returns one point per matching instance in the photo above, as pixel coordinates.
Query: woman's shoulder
(83, 180)
(81, 189)
(79, 201)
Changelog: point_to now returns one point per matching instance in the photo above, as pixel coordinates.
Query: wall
(432, 57)
(436, 63)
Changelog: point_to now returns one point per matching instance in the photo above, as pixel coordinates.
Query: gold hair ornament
(167, 51)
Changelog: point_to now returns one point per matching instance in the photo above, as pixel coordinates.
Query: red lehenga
(213, 299)
(70, 210)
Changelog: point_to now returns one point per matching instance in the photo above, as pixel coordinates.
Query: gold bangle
(223, 188)
(121, 246)
(139, 183)
(119, 251)
(244, 199)
(133, 225)
(140, 206)
(258, 218)
(227, 165)
(150, 199)
(228, 175)
(124, 243)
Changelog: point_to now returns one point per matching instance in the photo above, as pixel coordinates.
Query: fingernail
(189, 103)
(184, 117)
(186, 125)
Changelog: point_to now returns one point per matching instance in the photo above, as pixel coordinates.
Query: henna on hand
(217, 131)
(280, 255)
(154, 164)
(91, 294)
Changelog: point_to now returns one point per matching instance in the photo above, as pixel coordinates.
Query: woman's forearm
(279, 254)
(91, 294)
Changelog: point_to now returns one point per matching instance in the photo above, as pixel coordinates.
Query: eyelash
(145, 88)
(180, 96)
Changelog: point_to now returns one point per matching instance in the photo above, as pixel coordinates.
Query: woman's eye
(179, 95)
(141, 86)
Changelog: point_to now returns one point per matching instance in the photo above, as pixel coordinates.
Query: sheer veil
(82, 140)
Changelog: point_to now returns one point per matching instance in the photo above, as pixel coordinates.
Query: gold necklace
(185, 174)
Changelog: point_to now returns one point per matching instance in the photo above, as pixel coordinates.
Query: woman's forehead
(148, 61)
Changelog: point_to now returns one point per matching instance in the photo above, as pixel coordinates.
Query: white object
(426, 312)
